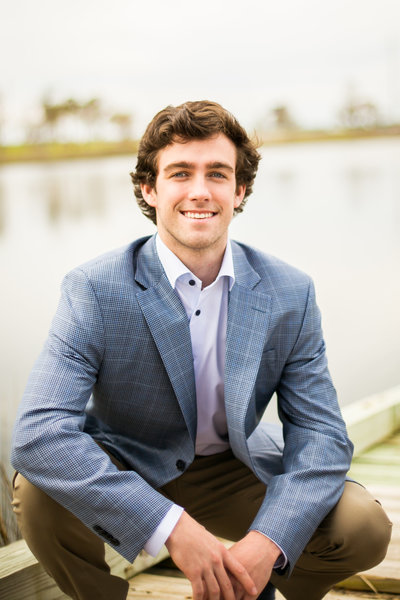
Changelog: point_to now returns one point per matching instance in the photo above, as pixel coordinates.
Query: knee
(362, 527)
(36, 512)
(373, 535)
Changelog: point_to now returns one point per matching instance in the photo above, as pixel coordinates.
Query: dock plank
(23, 578)
(369, 474)
(378, 468)
(162, 587)
(383, 456)
(379, 464)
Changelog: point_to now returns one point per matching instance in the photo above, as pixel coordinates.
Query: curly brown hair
(192, 120)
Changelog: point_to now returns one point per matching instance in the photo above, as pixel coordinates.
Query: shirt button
(197, 313)
(192, 282)
(180, 465)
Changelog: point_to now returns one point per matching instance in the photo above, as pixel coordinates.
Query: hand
(257, 554)
(205, 561)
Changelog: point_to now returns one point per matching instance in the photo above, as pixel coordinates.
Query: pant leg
(353, 537)
(224, 495)
(219, 492)
(68, 551)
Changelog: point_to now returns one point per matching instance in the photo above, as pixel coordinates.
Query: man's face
(195, 194)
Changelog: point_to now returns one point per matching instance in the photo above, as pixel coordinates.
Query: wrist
(264, 544)
(184, 527)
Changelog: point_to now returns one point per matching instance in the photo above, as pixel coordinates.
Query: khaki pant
(224, 496)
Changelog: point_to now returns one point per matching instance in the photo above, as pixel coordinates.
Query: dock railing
(372, 419)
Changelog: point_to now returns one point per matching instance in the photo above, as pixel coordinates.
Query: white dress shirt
(207, 311)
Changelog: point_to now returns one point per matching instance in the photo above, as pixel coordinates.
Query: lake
(332, 209)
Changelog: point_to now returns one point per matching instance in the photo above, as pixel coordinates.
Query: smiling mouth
(197, 215)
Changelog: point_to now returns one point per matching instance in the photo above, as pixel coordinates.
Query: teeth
(196, 215)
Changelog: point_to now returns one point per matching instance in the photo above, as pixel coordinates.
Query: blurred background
(318, 82)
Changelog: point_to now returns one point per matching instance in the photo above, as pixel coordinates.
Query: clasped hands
(216, 573)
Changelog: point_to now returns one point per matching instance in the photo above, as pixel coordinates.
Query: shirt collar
(174, 268)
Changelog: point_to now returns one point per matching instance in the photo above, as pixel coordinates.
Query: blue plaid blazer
(117, 368)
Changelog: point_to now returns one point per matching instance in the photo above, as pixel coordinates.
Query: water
(332, 209)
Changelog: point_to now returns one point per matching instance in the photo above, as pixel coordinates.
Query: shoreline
(54, 151)
(320, 135)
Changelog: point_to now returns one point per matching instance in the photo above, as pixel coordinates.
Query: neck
(206, 268)
(205, 263)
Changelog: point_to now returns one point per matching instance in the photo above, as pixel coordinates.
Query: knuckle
(227, 585)
(239, 568)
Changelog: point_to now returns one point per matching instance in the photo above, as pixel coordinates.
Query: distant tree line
(359, 115)
(71, 119)
(352, 115)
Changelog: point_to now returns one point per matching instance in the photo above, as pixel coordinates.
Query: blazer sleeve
(317, 451)
(49, 445)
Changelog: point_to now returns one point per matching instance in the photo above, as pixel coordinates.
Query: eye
(217, 175)
(179, 174)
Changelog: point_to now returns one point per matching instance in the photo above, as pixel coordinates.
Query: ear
(239, 195)
(149, 194)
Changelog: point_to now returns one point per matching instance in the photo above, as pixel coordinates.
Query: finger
(242, 595)
(212, 588)
(198, 589)
(238, 571)
(238, 592)
(224, 582)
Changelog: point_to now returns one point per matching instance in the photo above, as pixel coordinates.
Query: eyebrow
(191, 166)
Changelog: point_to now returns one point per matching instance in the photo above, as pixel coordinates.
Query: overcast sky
(249, 55)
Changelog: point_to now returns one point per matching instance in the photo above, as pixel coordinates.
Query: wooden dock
(159, 587)
(379, 469)
(374, 427)
(375, 421)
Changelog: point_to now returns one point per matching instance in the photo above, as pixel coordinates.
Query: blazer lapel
(168, 324)
(248, 319)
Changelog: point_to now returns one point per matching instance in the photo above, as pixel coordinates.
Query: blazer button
(180, 465)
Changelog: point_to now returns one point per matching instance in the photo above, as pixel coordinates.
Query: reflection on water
(331, 209)
(285, 180)
(359, 183)
(73, 201)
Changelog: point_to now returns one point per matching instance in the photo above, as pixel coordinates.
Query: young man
(141, 420)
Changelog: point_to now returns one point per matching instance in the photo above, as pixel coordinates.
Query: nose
(199, 189)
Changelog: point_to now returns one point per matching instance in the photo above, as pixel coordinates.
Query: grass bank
(60, 151)
(320, 135)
